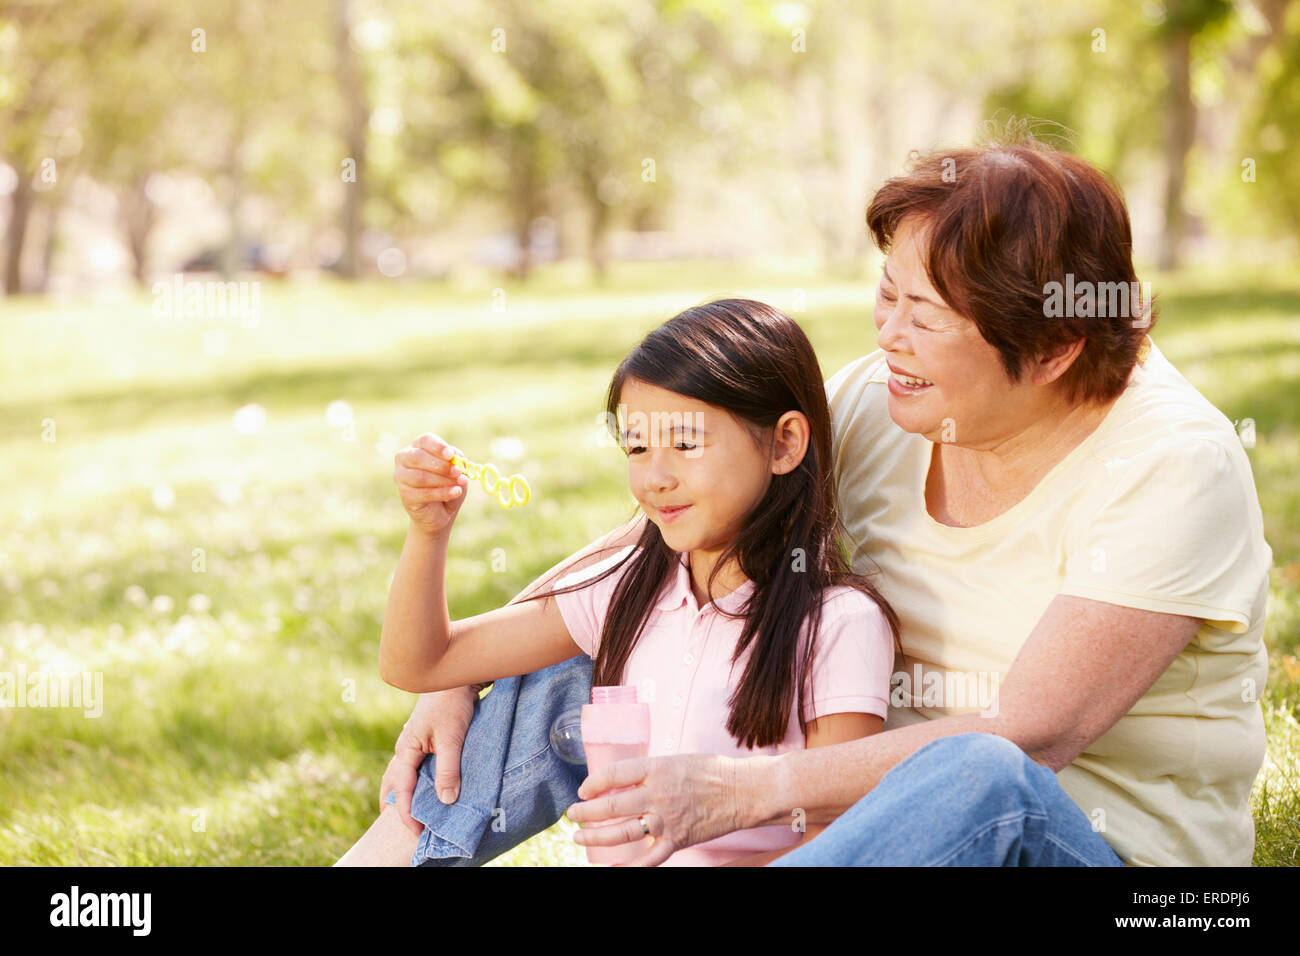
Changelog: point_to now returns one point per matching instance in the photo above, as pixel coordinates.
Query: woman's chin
(913, 420)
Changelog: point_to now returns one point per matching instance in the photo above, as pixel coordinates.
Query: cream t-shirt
(1156, 509)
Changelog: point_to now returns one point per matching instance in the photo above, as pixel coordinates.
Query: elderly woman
(1069, 533)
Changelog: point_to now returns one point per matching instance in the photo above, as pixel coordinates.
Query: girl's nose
(660, 481)
(659, 478)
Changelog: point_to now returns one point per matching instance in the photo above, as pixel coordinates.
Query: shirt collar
(677, 590)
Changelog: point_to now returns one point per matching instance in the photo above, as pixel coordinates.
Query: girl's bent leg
(968, 800)
(513, 784)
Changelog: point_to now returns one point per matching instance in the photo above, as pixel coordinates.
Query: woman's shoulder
(1160, 412)
(852, 384)
(864, 436)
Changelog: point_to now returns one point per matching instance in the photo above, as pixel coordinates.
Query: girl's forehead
(641, 396)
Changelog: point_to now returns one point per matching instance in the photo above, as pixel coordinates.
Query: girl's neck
(701, 566)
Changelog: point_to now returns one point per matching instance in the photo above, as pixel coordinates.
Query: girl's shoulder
(841, 600)
(596, 569)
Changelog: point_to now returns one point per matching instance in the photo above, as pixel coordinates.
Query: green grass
(244, 721)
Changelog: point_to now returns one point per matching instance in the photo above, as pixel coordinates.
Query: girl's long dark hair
(754, 361)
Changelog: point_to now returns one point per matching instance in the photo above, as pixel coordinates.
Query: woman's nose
(889, 328)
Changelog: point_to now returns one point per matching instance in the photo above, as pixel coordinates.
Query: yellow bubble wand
(510, 492)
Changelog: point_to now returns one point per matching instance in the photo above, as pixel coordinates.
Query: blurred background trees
(139, 138)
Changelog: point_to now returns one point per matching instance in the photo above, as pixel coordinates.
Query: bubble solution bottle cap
(614, 695)
(615, 716)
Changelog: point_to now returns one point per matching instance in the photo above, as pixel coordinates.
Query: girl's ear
(789, 442)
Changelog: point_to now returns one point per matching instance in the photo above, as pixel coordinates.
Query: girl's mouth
(669, 514)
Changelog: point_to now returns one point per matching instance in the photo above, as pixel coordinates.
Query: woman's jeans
(973, 799)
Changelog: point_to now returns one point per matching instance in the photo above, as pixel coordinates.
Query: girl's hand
(431, 487)
(687, 799)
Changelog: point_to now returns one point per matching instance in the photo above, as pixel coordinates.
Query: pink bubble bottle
(615, 727)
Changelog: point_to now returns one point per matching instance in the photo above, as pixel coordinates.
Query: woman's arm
(1083, 667)
(823, 732)
(422, 650)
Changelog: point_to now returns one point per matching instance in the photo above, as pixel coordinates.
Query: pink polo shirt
(681, 667)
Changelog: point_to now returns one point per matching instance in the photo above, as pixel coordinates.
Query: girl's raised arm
(511, 640)
(420, 649)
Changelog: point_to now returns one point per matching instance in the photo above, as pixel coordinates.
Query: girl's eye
(684, 446)
(920, 326)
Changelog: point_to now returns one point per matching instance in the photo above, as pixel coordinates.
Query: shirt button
(677, 702)
(688, 659)
(670, 744)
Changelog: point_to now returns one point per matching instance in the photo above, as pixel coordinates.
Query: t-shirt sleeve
(854, 426)
(853, 658)
(584, 610)
(1178, 531)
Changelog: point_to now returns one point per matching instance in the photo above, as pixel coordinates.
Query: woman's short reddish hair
(1006, 218)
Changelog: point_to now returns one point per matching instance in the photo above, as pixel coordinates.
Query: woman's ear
(789, 442)
(1048, 368)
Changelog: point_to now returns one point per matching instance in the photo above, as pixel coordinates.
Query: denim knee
(513, 784)
(984, 764)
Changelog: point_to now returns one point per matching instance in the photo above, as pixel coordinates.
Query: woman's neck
(972, 485)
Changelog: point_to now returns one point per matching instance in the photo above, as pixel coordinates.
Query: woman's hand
(438, 724)
(431, 487)
(687, 799)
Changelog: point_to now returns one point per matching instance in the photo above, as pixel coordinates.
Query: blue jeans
(968, 800)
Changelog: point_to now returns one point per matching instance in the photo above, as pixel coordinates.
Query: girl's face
(969, 399)
(694, 469)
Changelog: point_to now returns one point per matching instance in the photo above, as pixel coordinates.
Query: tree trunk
(526, 198)
(354, 136)
(19, 212)
(136, 213)
(232, 255)
(49, 241)
(1180, 116)
(597, 225)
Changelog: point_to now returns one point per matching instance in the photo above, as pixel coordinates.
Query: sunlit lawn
(230, 584)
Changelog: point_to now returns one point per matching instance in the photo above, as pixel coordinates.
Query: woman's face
(692, 467)
(947, 382)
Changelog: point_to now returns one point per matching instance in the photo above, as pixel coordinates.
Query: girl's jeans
(969, 800)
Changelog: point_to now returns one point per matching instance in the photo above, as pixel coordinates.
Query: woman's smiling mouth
(901, 383)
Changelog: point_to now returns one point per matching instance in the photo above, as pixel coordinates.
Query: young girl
(735, 613)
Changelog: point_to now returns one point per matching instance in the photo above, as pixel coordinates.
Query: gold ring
(645, 827)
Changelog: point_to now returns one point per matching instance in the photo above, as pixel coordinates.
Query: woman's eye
(635, 450)
(920, 326)
(685, 446)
